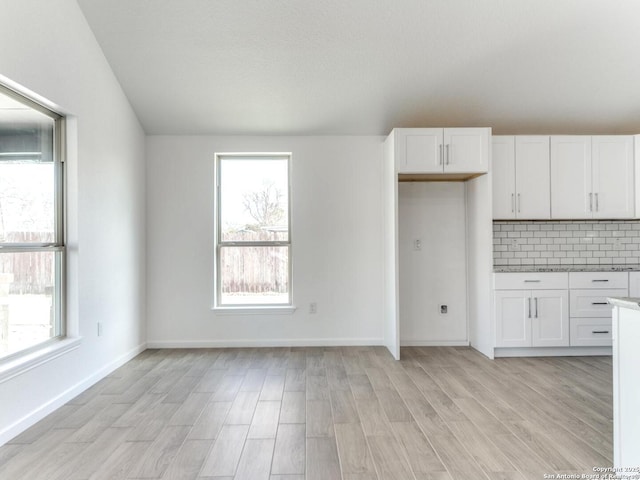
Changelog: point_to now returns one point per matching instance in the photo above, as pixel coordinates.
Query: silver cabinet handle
(536, 299)
(440, 155)
(529, 301)
(599, 331)
(591, 202)
(532, 281)
(599, 280)
(599, 303)
(447, 154)
(597, 206)
(519, 203)
(513, 203)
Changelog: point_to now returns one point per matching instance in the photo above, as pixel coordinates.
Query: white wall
(337, 230)
(48, 48)
(434, 214)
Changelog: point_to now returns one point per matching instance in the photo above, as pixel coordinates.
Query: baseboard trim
(552, 352)
(249, 343)
(42, 411)
(430, 343)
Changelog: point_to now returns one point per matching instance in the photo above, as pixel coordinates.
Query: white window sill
(261, 310)
(16, 366)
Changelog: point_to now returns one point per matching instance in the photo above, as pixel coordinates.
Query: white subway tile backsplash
(580, 242)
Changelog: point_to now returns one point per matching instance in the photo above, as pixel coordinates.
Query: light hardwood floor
(326, 413)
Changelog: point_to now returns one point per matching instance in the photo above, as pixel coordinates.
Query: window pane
(254, 275)
(27, 202)
(254, 199)
(27, 310)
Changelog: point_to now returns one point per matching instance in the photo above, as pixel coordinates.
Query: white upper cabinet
(533, 185)
(613, 181)
(592, 177)
(442, 150)
(466, 150)
(571, 195)
(521, 182)
(419, 150)
(503, 169)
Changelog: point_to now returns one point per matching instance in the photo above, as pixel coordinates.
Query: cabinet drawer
(598, 280)
(531, 281)
(590, 332)
(593, 303)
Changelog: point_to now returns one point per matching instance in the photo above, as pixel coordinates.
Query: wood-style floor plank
(188, 461)
(355, 456)
(255, 462)
(160, 454)
(289, 454)
(293, 409)
(306, 413)
(322, 459)
(224, 456)
(265, 420)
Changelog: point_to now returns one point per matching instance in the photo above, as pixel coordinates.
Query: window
(253, 235)
(31, 231)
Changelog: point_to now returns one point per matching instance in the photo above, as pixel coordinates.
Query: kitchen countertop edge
(625, 302)
(564, 268)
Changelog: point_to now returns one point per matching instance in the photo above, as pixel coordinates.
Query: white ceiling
(366, 66)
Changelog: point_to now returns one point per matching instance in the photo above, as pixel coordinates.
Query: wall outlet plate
(444, 309)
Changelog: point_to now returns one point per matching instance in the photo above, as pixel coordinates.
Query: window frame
(220, 243)
(57, 247)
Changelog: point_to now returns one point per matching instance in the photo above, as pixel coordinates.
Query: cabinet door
(613, 182)
(533, 180)
(550, 318)
(571, 193)
(466, 150)
(513, 320)
(634, 284)
(503, 169)
(419, 150)
(593, 302)
(590, 332)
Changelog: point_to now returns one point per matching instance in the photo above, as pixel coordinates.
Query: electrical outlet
(313, 308)
(444, 309)
(99, 329)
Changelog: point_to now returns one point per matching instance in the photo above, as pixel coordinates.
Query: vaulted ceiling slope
(365, 66)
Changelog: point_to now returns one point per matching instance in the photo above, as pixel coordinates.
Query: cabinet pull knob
(599, 331)
(601, 280)
(599, 303)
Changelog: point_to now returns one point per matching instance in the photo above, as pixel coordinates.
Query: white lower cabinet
(590, 310)
(550, 321)
(513, 321)
(558, 309)
(531, 318)
(534, 318)
(590, 332)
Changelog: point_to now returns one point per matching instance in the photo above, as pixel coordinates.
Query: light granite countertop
(565, 268)
(625, 302)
